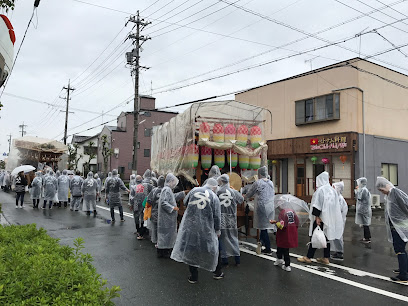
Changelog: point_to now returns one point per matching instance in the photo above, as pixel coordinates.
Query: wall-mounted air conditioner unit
(375, 201)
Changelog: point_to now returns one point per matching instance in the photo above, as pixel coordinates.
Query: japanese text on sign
(329, 143)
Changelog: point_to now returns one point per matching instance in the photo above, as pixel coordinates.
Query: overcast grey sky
(212, 38)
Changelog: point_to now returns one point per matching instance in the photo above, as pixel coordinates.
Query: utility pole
(68, 89)
(133, 60)
(9, 141)
(22, 127)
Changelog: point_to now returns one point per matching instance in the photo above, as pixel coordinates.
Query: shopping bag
(147, 212)
(55, 200)
(318, 239)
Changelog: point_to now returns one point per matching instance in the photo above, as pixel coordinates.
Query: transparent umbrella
(24, 168)
(288, 201)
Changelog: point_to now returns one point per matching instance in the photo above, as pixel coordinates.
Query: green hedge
(36, 269)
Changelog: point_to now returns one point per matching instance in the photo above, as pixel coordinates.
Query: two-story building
(119, 139)
(87, 152)
(348, 119)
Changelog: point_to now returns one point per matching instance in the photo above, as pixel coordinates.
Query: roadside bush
(36, 269)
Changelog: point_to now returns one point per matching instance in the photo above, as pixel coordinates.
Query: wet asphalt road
(147, 280)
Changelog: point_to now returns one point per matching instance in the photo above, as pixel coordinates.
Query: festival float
(229, 134)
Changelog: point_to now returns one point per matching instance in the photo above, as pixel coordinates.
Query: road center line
(336, 278)
(116, 211)
(350, 270)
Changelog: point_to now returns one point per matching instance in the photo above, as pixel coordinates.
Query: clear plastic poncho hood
(326, 200)
(383, 185)
(361, 182)
(322, 179)
(171, 181)
(396, 213)
(263, 172)
(214, 172)
(363, 203)
(339, 187)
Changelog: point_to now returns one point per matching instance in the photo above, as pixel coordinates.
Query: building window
(390, 172)
(148, 132)
(90, 150)
(121, 171)
(146, 153)
(138, 145)
(317, 109)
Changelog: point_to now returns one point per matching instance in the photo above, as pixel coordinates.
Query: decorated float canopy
(211, 133)
(33, 150)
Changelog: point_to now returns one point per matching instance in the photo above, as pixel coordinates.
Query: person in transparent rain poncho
(50, 188)
(337, 245)
(132, 180)
(197, 242)
(105, 183)
(138, 193)
(167, 216)
(147, 177)
(214, 173)
(325, 213)
(154, 179)
(63, 188)
(99, 182)
(113, 187)
(153, 201)
(229, 200)
(89, 193)
(35, 190)
(264, 209)
(363, 208)
(75, 185)
(396, 220)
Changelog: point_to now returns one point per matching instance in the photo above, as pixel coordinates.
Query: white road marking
(350, 270)
(116, 211)
(336, 278)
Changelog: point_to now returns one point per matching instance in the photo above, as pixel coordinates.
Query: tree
(7, 5)
(73, 156)
(106, 151)
(91, 154)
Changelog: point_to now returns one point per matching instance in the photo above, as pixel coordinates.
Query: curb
(3, 220)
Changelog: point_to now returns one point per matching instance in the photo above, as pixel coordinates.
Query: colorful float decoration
(206, 158)
(232, 158)
(229, 133)
(219, 158)
(192, 156)
(204, 131)
(242, 136)
(244, 162)
(218, 133)
(255, 162)
(313, 159)
(325, 161)
(256, 136)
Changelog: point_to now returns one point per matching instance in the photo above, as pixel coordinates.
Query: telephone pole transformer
(132, 59)
(22, 129)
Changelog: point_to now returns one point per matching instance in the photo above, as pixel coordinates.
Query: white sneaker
(22, 206)
(286, 268)
(279, 262)
(259, 248)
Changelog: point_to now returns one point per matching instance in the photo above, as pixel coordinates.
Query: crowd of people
(208, 235)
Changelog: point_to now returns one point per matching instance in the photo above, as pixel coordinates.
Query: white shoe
(279, 262)
(259, 248)
(22, 206)
(286, 268)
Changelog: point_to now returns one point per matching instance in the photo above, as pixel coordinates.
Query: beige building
(348, 119)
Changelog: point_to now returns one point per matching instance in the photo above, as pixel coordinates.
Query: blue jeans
(399, 249)
(264, 238)
(20, 196)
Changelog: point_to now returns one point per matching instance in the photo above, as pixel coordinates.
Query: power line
(150, 6)
(168, 3)
(116, 36)
(388, 15)
(266, 63)
(48, 104)
(391, 8)
(353, 8)
(391, 43)
(19, 48)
